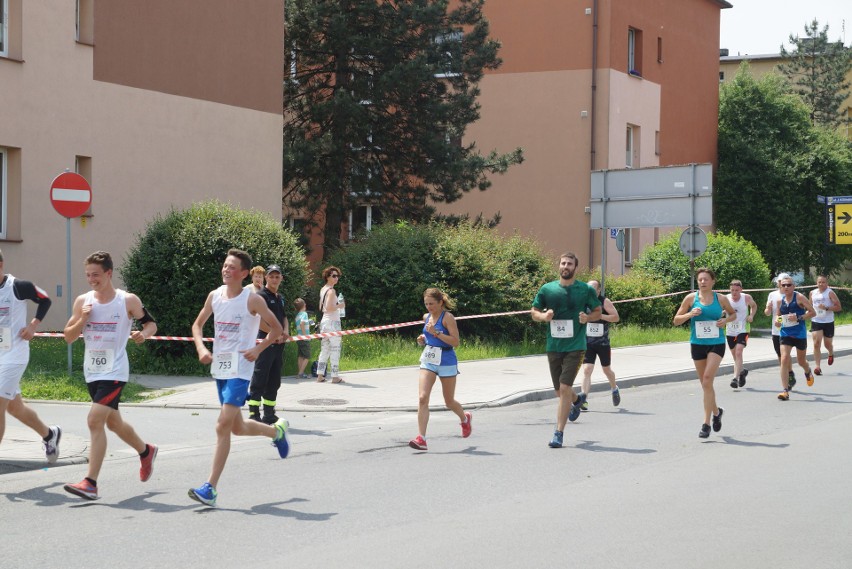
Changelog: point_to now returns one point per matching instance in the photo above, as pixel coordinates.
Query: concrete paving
(481, 384)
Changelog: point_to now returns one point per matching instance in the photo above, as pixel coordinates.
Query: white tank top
(235, 330)
(106, 334)
(738, 326)
(13, 317)
(817, 298)
(774, 300)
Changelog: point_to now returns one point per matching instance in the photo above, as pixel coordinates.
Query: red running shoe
(84, 489)
(830, 360)
(147, 468)
(467, 427)
(418, 442)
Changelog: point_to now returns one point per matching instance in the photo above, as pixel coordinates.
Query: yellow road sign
(843, 224)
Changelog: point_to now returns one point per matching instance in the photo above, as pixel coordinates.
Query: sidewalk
(484, 383)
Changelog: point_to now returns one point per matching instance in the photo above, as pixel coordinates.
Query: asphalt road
(634, 487)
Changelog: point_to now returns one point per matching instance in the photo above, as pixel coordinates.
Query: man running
(597, 346)
(237, 314)
(736, 332)
(562, 304)
(825, 303)
(772, 302)
(15, 336)
(793, 309)
(105, 316)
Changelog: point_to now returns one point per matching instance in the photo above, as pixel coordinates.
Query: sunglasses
(334, 276)
(786, 285)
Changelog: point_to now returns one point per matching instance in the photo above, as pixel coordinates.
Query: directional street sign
(842, 225)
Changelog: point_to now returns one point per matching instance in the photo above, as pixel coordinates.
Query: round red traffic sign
(70, 194)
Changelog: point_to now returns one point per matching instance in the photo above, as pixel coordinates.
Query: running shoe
(556, 441)
(784, 395)
(830, 360)
(704, 432)
(147, 468)
(717, 421)
(574, 413)
(280, 440)
(817, 371)
(735, 383)
(584, 406)
(616, 397)
(84, 489)
(205, 494)
(51, 446)
(791, 380)
(418, 442)
(467, 426)
(810, 378)
(742, 379)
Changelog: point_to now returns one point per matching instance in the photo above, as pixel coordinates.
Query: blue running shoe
(556, 441)
(280, 440)
(205, 494)
(576, 408)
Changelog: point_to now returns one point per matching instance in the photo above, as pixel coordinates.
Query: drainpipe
(592, 141)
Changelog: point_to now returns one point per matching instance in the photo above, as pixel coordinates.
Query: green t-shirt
(566, 302)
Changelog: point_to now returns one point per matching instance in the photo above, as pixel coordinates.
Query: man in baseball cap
(266, 379)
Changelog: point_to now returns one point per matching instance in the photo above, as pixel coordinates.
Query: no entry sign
(70, 194)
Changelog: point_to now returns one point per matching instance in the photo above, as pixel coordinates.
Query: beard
(567, 274)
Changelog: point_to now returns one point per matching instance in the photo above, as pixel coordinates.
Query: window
(721, 76)
(629, 153)
(659, 50)
(657, 143)
(3, 169)
(634, 52)
(4, 28)
(83, 166)
(363, 218)
(449, 54)
(85, 22)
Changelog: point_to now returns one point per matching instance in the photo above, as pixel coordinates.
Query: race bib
(705, 329)
(5, 339)
(820, 312)
(789, 320)
(99, 361)
(736, 328)
(431, 355)
(224, 365)
(562, 328)
(595, 329)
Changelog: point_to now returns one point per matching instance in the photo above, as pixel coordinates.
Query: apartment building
(588, 85)
(158, 104)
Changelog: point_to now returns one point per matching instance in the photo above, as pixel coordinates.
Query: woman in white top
(825, 303)
(257, 274)
(330, 347)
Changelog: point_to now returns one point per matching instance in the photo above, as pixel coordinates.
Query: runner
(793, 309)
(597, 346)
(439, 339)
(15, 336)
(825, 303)
(737, 331)
(105, 317)
(707, 312)
(773, 300)
(562, 304)
(237, 314)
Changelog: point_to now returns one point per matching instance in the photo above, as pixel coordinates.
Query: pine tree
(377, 97)
(818, 68)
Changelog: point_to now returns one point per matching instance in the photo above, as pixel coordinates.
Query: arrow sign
(845, 217)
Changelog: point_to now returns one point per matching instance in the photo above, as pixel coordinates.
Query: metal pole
(692, 232)
(69, 297)
(603, 237)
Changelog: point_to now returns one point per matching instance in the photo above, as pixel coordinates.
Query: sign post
(70, 196)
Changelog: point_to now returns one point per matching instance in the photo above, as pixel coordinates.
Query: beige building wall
(149, 151)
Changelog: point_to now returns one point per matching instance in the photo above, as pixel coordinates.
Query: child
(303, 327)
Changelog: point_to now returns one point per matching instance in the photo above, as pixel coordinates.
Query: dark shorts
(798, 343)
(827, 328)
(776, 343)
(701, 351)
(738, 339)
(304, 347)
(564, 367)
(106, 392)
(601, 351)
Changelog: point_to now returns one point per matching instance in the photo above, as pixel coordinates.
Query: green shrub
(387, 270)
(728, 255)
(637, 284)
(176, 262)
